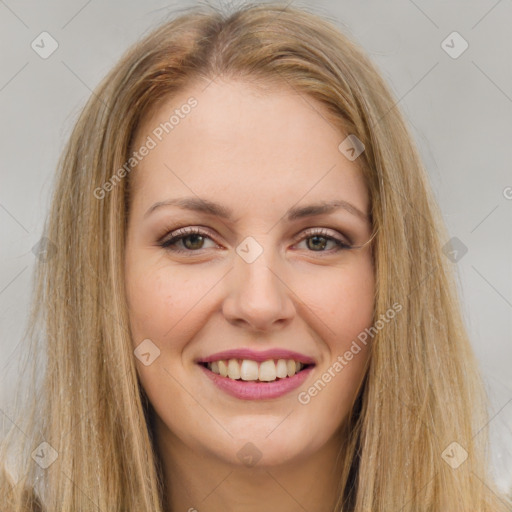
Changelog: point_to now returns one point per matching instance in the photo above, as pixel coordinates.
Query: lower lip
(251, 390)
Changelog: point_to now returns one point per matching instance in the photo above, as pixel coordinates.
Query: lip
(250, 390)
(259, 356)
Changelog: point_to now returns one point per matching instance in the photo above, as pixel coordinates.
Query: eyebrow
(198, 204)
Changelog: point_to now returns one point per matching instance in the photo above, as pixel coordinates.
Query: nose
(258, 296)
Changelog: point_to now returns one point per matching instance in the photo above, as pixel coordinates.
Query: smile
(250, 370)
(250, 375)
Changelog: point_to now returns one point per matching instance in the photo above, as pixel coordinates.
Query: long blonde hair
(422, 391)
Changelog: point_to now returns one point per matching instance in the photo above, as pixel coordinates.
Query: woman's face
(258, 286)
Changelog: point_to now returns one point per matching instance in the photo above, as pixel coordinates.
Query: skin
(258, 153)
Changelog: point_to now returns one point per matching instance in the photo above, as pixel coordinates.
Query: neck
(198, 481)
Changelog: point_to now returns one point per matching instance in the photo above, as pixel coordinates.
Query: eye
(193, 240)
(318, 238)
(196, 237)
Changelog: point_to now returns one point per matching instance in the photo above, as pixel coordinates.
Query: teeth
(281, 369)
(290, 366)
(233, 369)
(223, 368)
(267, 371)
(249, 370)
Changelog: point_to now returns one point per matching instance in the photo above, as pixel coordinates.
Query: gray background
(459, 111)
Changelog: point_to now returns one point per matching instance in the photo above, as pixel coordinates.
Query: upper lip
(263, 355)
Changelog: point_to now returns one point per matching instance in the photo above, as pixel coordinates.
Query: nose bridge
(255, 269)
(257, 293)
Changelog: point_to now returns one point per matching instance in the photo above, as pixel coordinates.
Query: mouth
(249, 370)
(257, 375)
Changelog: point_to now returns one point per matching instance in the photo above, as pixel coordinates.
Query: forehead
(244, 142)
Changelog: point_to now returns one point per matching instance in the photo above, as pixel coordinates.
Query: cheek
(344, 308)
(342, 301)
(148, 303)
(153, 307)
(164, 300)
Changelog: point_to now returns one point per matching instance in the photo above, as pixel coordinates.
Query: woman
(247, 306)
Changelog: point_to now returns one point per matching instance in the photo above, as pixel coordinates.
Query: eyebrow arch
(298, 212)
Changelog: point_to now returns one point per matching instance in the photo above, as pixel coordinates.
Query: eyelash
(182, 233)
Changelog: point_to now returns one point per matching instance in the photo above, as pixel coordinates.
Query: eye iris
(195, 237)
(322, 246)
